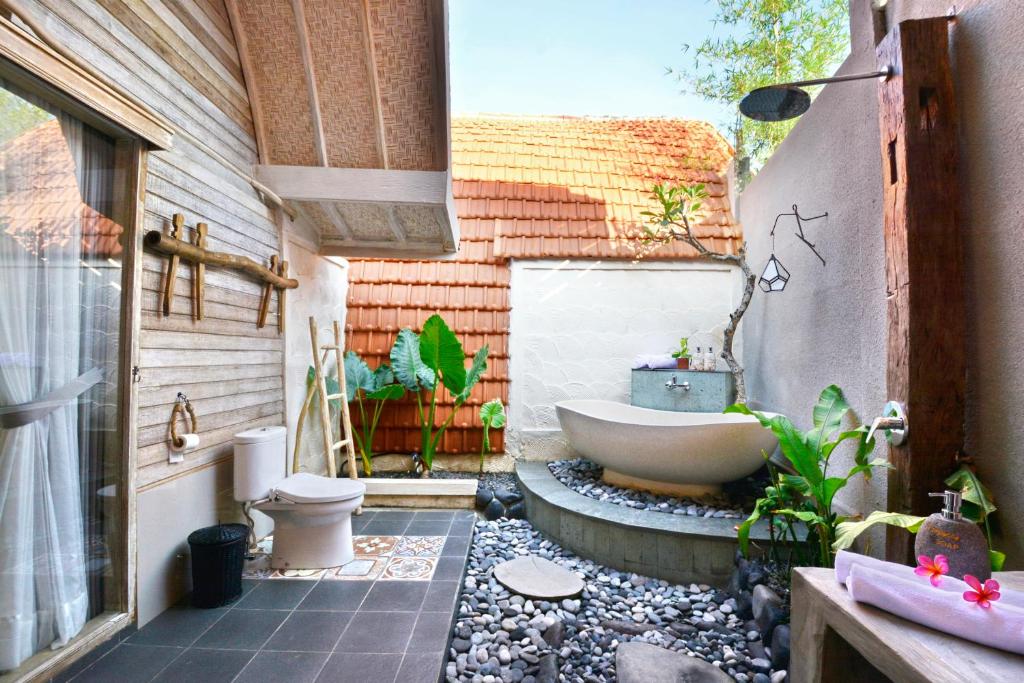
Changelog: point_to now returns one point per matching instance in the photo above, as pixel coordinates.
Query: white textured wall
(829, 326)
(323, 287)
(577, 325)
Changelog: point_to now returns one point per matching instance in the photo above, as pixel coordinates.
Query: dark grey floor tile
(360, 667)
(394, 515)
(449, 569)
(456, 546)
(462, 527)
(395, 596)
(431, 632)
(244, 629)
(341, 596)
(384, 528)
(435, 515)
(276, 594)
(205, 666)
(309, 631)
(378, 632)
(421, 668)
(441, 596)
(129, 663)
(278, 667)
(428, 527)
(180, 625)
(88, 659)
(465, 514)
(360, 521)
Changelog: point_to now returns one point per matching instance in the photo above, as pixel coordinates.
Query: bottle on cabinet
(710, 362)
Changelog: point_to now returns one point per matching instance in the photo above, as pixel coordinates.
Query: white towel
(656, 362)
(1000, 626)
(846, 560)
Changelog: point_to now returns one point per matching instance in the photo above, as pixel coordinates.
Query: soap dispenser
(960, 540)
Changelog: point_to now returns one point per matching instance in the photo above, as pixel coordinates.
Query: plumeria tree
(679, 208)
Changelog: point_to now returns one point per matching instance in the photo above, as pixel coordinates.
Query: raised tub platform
(677, 548)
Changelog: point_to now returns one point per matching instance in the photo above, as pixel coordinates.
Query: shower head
(789, 100)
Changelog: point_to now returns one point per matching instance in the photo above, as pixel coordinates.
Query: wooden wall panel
(178, 57)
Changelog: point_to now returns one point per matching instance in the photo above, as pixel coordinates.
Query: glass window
(61, 250)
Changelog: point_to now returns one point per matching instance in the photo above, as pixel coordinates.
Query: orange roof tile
(530, 187)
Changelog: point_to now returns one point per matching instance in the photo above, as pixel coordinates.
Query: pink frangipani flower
(932, 568)
(985, 594)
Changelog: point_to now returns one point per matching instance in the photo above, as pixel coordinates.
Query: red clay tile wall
(526, 187)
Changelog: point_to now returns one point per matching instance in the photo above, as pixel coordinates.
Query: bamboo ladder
(320, 356)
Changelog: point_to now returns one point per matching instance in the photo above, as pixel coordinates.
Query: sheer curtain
(44, 337)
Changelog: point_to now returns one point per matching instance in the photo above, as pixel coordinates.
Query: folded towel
(846, 560)
(654, 362)
(1000, 626)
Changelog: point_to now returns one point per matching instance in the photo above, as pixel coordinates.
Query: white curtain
(44, 600)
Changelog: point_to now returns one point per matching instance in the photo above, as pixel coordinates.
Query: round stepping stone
(536, 577)
(637, 662)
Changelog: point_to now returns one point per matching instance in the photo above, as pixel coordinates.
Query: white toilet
(312, 514)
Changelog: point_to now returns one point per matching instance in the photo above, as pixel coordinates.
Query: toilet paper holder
(181, 407)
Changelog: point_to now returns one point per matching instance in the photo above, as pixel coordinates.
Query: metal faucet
(673, 384)
(893, 422)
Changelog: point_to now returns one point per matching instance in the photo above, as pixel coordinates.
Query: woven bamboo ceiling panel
(529, 188)
(358, 86)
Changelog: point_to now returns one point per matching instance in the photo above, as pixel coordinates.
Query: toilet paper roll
(190, 443)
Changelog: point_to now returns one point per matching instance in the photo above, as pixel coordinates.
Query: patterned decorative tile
(363, 568)
(409, 569)
(375, 545)
(419, 546)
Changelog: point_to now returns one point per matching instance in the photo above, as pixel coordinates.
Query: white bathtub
(663, 451)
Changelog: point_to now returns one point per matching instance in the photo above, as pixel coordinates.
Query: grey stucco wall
(830, 323)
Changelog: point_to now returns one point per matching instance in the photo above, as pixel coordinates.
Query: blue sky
(601, 57)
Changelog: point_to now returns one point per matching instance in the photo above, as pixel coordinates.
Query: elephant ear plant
(807, 495)
(426, 362)
(368, 386)
(492, 416)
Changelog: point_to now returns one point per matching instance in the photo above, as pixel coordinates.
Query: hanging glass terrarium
(774, 277)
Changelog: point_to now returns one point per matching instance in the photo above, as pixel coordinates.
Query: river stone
(536, 577)
(638, 662)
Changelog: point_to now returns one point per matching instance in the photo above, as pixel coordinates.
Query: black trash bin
(218, 553)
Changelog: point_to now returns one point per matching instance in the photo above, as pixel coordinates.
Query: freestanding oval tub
(664, 451)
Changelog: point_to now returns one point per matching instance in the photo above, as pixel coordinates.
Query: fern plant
(424, 363)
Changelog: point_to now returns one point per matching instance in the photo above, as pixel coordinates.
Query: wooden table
(838, 640)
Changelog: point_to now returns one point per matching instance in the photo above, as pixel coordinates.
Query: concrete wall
(829, 324)
(577, 325)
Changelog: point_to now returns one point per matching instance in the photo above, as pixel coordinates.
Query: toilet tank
(260, 462)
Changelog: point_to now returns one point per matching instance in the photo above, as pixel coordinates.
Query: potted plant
(682, 354)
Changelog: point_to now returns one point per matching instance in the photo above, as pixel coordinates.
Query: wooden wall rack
(274, 278)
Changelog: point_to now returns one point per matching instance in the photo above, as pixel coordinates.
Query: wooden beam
(374, 79)
(924, 264)
(339, 220)
(396, 227)
(311, 183)
(405, 250)
(314, 94)
(176, 248)
(248, 75)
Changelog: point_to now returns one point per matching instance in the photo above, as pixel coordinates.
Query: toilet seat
(311, 488)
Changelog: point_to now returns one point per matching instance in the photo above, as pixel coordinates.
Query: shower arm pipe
(886, 73)
(42, 33)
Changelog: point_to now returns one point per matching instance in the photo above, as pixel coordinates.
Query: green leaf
(829, 487)
(997, 560)
(809, 516)
(407, 364)
(791, 440)
(492, 414)
(383, 376)
(976, 498)
(357, 375)
(743, 530)
(827, 416)
(442, 352)
(847, 532)
(390, 392)
(476, 371)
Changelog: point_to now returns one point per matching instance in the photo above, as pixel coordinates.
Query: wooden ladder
(320, 355)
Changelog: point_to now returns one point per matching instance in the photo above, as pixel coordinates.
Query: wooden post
(177, 228)
(199, 274)
(924, 264)
(282, 270)
(268, 293)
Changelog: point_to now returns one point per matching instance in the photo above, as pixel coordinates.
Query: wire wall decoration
(775, 276)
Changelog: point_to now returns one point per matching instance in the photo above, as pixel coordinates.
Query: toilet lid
(311, 488)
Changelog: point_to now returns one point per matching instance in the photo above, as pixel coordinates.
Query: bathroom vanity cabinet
(683, 390)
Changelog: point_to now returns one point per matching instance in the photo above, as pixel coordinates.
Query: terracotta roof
(530, 187)
(41, 205)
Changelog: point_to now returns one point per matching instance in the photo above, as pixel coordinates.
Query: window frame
(130, 154)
